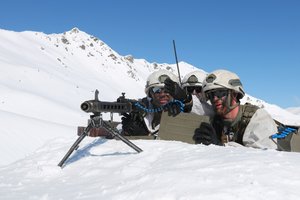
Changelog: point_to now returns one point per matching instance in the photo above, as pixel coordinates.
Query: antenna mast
(179, 77)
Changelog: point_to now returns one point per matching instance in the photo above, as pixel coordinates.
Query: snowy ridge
(294, 110)
(284, 116)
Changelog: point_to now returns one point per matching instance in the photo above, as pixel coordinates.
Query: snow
(43, 81)
(294, 110)
(109, 169)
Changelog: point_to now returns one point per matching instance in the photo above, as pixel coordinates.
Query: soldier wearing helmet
(192, 84)
(246, 124)
(157, 95)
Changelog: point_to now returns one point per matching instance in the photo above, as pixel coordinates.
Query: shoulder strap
(248, 111)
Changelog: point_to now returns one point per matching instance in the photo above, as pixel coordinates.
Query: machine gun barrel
(96, 106)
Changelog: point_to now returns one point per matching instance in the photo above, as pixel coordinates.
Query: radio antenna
(179, 77)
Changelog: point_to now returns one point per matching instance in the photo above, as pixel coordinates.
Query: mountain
(44, 79)
(294, 110)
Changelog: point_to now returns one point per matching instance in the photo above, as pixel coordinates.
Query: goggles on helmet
(191, 89)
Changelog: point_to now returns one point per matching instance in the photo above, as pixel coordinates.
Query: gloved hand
(206, 134)
(133, 124)
(175, 90)
(173, 109)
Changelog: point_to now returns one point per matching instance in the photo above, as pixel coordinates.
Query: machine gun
(96, 107)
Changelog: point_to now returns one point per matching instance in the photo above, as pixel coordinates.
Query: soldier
(192, 83)
(158, 95)
(246, 124)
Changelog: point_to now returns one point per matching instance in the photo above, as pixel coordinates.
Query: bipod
(96, 121)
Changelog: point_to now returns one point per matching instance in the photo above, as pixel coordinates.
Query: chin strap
(227, 103)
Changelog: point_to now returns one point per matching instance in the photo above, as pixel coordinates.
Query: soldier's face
(160, 97)
(218, 99)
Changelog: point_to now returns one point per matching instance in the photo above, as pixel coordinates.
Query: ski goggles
(191, 89)
(219, 93)
(157, 90)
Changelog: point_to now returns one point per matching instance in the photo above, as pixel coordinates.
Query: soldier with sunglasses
(233, 123)
(158, 95)
(192, 84)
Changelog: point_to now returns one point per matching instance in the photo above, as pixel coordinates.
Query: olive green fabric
(295, 142)
(180, 128)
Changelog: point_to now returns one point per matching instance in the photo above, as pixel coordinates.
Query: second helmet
(194, 78)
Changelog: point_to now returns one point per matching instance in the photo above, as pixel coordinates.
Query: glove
(206, 134)
(175, 90)
(133, 124)
(173, 109)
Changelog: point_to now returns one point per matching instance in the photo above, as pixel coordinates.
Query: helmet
(157, 78)
(194, 78)
(223, 79)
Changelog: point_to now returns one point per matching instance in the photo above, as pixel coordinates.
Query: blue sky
(257, 39)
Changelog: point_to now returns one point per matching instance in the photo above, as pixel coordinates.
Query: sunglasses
(157, 89)
(191, 89)
(219, 93)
